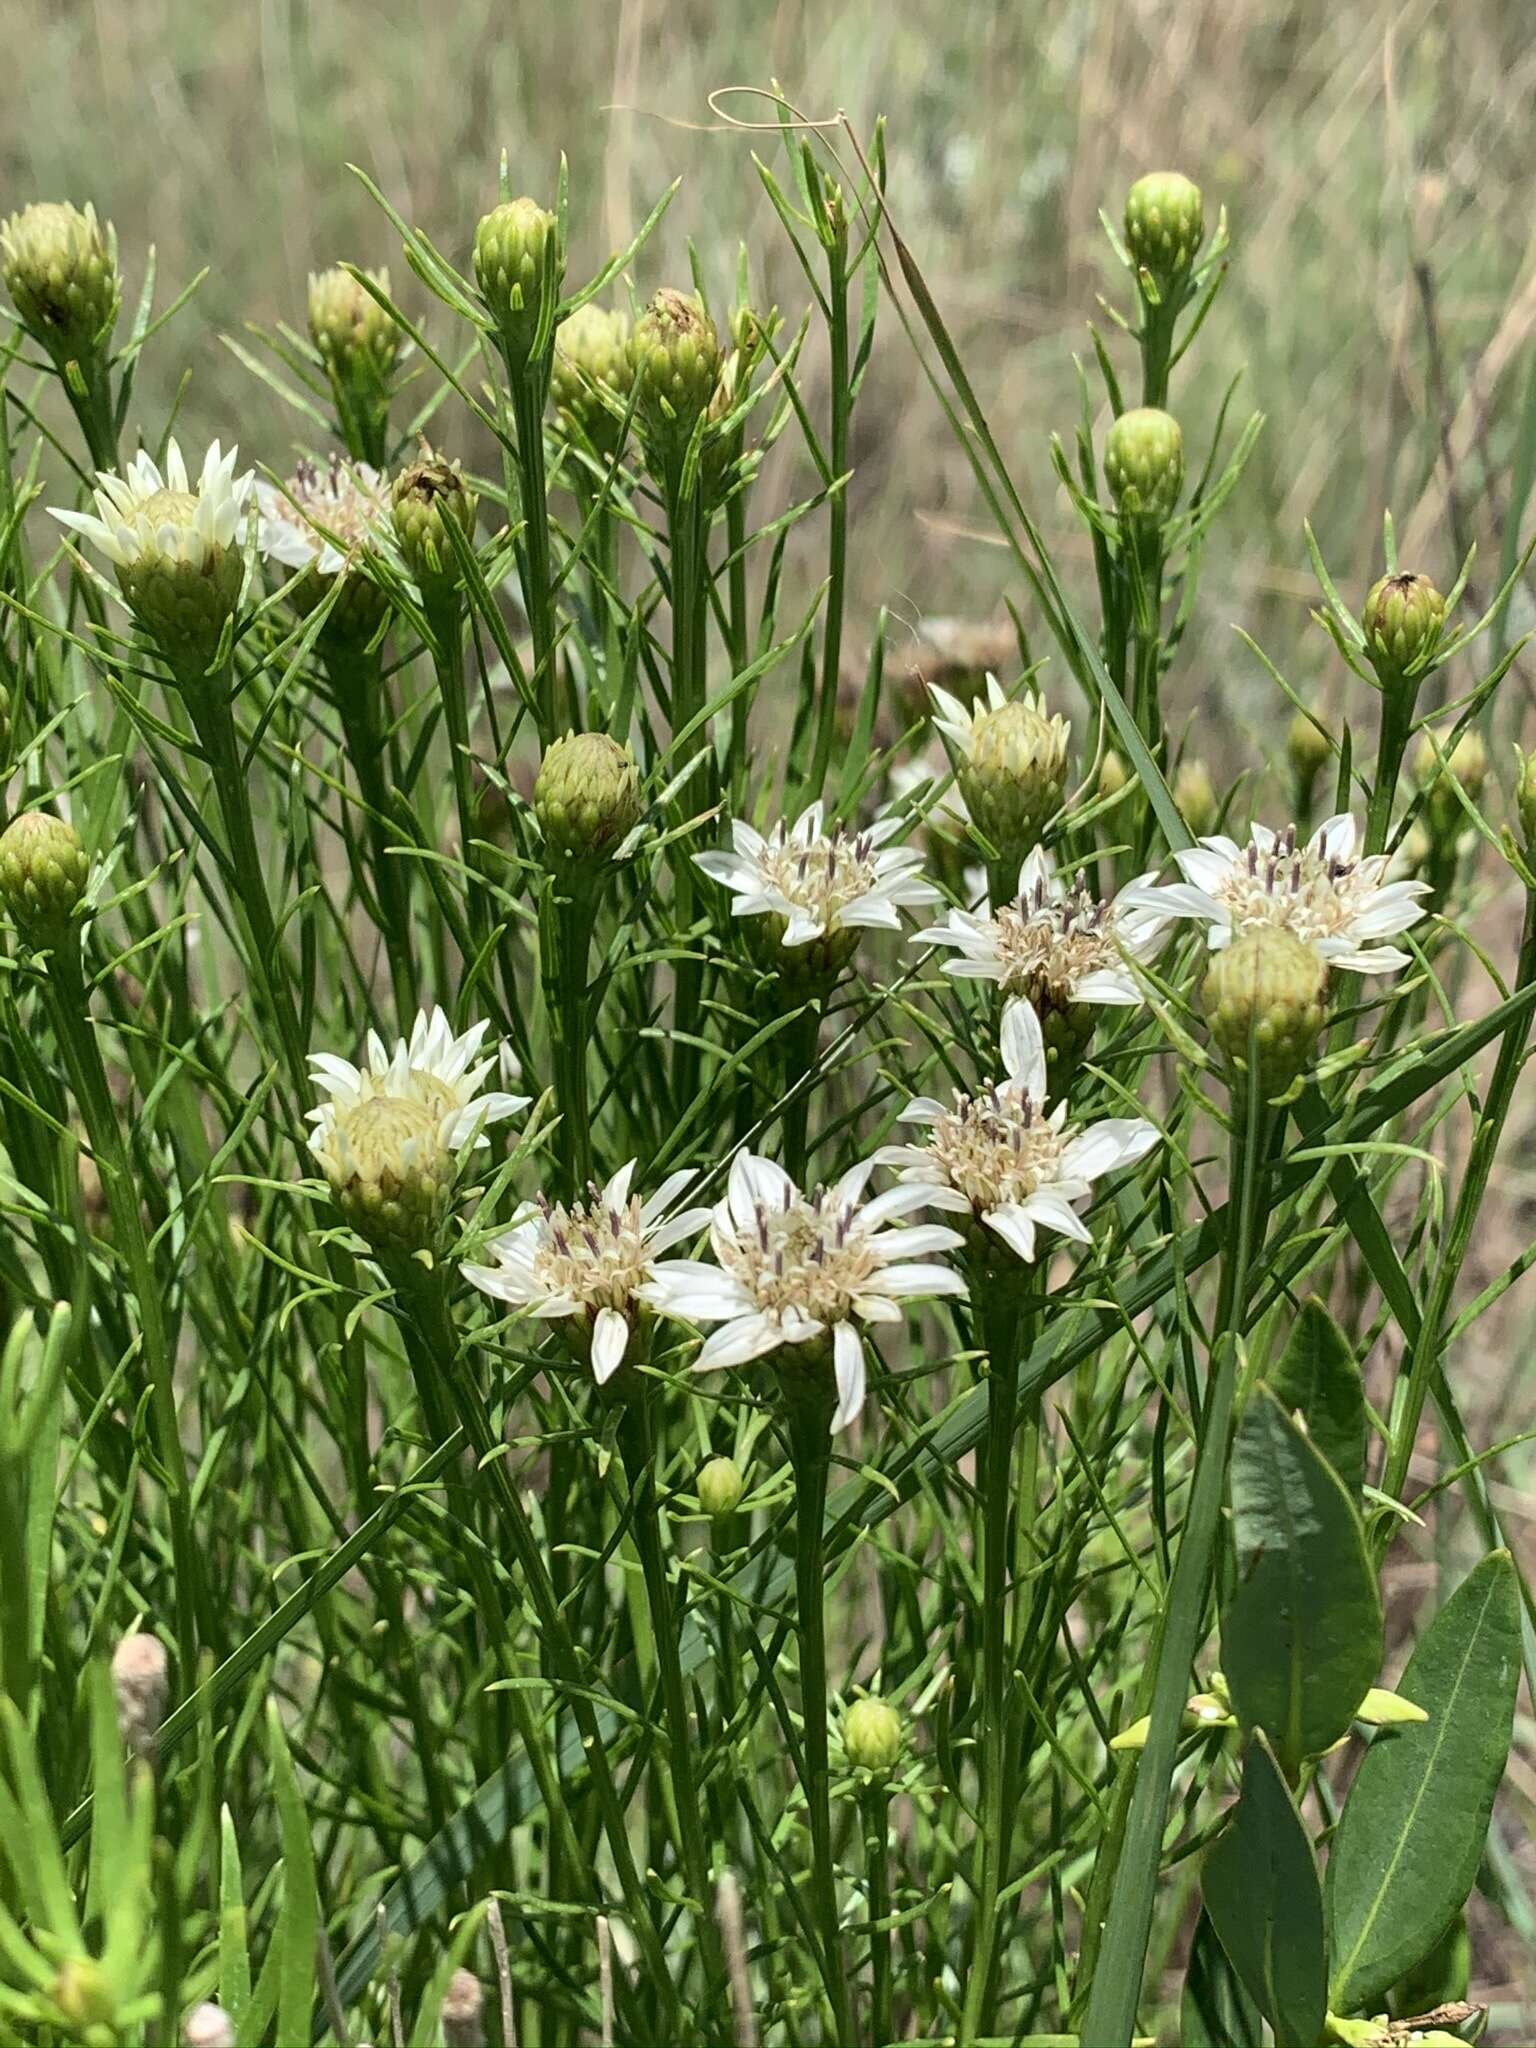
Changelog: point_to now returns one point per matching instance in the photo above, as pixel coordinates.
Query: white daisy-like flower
(393, 1133)
(959, 722)
(1002, 1158)
(1341, 905)
(790, 1267)
(322, 516)
(821, 883)
(1055, 944)
(586, 1263)
(146, 516)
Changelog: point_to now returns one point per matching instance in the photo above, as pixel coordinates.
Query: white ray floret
(1002, 1158)
(322, 515)
(1342, 904)
(790, 1267)
(958, 721)
(145, 515)
(821, 882)
(1054, 943)
(586, 1264)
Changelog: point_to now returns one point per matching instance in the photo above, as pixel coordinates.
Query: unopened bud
(675, 354)
(1194, 794)
(1013, 774)
(1266, 1000)
(587, 797)
(463, 2013)
(1402, 620)
(873, 1736)
(208, 2026)
(1144, 463)
(43, 874)
(1112, 774)
(356, 337)
(425, 498)
(1307, 750)
(1435, 762)
(721, 1487)
(1164, 224)
(82, 1992)
(591, 375)
(518, 263)
(141, 1686)
(60, 267)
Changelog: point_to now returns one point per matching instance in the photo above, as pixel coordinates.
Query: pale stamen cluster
(822, 878)
(1313, 894)
(996, 1147)
(1047, 942)
(595, 1252)
(810, 1256)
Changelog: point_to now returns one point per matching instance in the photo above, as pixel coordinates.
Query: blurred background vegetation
(1375, 160)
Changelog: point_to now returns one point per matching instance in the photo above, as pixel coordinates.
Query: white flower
(1055, 945)
(587, 1263)
(1340, 905)
(791, 1266)
(819, 882)
(958, 722)
(322, 515)
(146, 516)
(407, 1116)
(1000, 1157)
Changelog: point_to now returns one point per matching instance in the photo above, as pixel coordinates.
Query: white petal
(1047, 1209)
(610, 1340)
(738, 1343)
(1014, 1228)
(1024, 1048)
(848, 1363)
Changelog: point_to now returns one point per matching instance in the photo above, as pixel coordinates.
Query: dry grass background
(1376, 160)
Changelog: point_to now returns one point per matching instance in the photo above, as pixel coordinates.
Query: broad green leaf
(1318, 1376)
(1406, 1851)
(1215, 2011)
(1301, 1638)
(1264, 1900)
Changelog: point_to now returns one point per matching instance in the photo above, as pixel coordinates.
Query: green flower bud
(60, 268)
(1267, 993)
(1144, 463)
(1112, 774)
(517, 258)
(357, 339)
(873, 1737)
(1467, 761)
(1307, 750)
(1194, 793)
(808, 970)
(1402, 620)
(591, 375)
(1164, 224)
(587, 797)
(83, 1994)
(675, 355)
(1014, 774)
(43, 873)
(424, 498)
(721, 1487)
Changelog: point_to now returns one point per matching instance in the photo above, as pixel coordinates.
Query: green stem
(876, 1807)
(811, 1455)
(737, 631)
(529, 385)
(638, 1448)
(837, 531)
(1397, 702)
(1125, 1879)
(447, 624)
(356, 685)
(573, 911)
(999, 1295)
(800, 1041)
(685, 527)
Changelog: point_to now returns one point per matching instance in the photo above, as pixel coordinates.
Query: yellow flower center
(810, 1256)
(995, 1149)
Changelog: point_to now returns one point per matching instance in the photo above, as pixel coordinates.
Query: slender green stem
(1119, 1919)
(811, 1453)
(837, 528)
(800, 1040)
(1397, 702)
(686, 530)
(448, 661)
(876, 1806)
(356, 686)
(529, 384)
(737, 630)
(1000, 1298)
(571, 915)
(638, 1448)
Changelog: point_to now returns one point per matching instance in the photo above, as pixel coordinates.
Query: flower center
(389, 1134)
(823, 877)
(996, 1148)
(1294, 888)
(1047, 944)
(593, 1251)
(168, 508)
(332, 498)
(811, 1256)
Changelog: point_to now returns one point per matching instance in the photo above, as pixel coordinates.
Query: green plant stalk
(686, 532)
(423, 1295)
(811, 1456)
(573, 914)
(447, 623)
(1398, 698)
(837, 526)
(639, 1453)
(69, 1006)
(1130, 1857)
(999, 1296)
(1425, 1354)
(738, 637)
(356, 685)
(529, 384)
(800, 1041)
(875, 1805)
(89, 391)
(1158, 322)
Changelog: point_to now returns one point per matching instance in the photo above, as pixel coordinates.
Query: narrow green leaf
(299, 1925)
(1215, 2011)
(1301, 1638)
(234, 1941)
(1317, 1376)
(1408, 1846)
(1264, 1900)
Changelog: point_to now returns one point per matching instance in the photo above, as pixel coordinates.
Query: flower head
(323, 516)
(821, 886)
(44, 873)
(519, 260)
(591, 374)
(172, 544)
(791, 1268)
(1266, 1000)
(394, 1132)
(1010, 763)
(588, 1264)
(1001, 1158)
(587, 798)
(1164, 224)
(60, 268)
(1321, 892)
